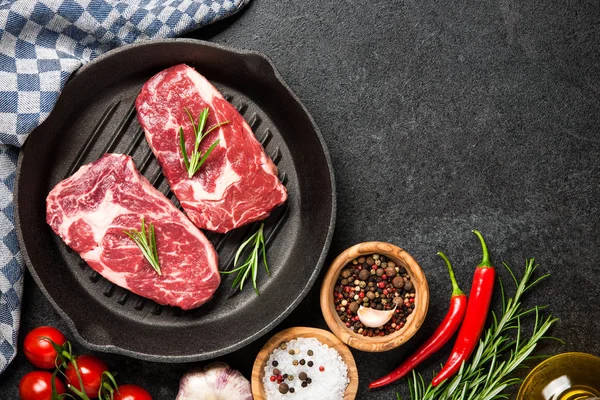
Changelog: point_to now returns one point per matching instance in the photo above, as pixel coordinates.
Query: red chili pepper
(458, 305)
(477, 312)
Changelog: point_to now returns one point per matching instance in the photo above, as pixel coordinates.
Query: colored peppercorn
(383, 288)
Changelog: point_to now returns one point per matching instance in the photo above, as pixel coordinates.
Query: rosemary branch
(250, 266)
(146, 241)
(197, 158)
(499, 353)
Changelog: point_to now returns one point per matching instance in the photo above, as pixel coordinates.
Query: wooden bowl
(414, 320)
(323, 336)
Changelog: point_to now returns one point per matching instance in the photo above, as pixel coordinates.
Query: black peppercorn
(398, 282)
(284, 388)
(364, 275)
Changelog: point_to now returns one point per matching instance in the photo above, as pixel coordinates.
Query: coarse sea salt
(328, 384)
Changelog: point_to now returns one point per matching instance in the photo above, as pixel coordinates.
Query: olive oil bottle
(568, 376)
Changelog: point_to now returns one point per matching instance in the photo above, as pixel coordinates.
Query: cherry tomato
(90, 369)
(39, 351)
(132, 392)
(37, 385)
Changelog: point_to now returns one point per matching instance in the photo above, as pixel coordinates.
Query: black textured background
(440, 117)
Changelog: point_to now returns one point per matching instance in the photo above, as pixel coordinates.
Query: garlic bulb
(216, 381)
(374, 318)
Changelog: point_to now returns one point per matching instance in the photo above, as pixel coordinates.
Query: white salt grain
(329, 384)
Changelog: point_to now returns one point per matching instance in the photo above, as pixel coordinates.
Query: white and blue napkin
(41, 44)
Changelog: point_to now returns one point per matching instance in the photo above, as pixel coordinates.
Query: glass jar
(567, 376)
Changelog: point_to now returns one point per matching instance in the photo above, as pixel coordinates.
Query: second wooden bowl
(323, 336)
(414, 320)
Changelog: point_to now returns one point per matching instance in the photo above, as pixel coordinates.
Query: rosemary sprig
(146, 241)
(197, 158)
(250, 266)
(499, 352)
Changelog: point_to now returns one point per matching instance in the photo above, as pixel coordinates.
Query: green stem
(455, 289)
(81, 392)
(485, 261)
(67, 354)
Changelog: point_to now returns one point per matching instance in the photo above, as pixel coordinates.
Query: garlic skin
(216, 381)
(374, 318)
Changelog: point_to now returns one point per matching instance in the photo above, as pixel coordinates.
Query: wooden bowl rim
(323, 336)
(414, 321)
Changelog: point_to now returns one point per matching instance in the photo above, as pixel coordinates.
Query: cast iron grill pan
(95, 114)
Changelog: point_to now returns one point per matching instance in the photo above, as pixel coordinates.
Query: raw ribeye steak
(91, 210)
(238, 183)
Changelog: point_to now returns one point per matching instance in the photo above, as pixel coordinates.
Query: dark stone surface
(440, 118)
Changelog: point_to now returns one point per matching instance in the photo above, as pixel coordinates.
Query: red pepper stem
(455, 289)
(485, 261)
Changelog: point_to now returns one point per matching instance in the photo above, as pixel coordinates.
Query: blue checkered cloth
(41, 44)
